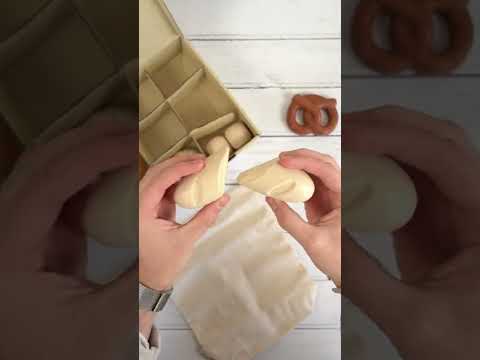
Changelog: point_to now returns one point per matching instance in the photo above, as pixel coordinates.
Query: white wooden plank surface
(253, 19)
(268, 107)
(326, 314)
(353, 67)
(309, 344)
(274, 63)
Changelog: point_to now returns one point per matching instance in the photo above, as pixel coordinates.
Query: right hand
(320, 236)
(432, 311)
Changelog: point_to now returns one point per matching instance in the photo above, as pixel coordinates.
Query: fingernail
(198, 162)
(273, 204)
(285, 156)
(223, 201)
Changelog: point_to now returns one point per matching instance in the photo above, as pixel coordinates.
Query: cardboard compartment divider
(187, 143)
(115, 24)
(150, 96)
(159, 132)
(193, 145)
(173, 66)
(37, 84)
(215, 128)
(27, 34)
(15, 13)
(113, 92)
(157, 31)
(200, 101)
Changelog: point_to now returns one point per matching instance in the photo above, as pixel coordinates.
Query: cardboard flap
(157, 29)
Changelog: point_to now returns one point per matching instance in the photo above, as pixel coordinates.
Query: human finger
(398, 117)
(329, 174)
(154, 190)
(156, 169)
(290, 221)
(204, 220)
(310, 154)
(454, 168)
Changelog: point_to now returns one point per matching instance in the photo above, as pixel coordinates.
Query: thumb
(368, 285)
(204, 219)
(290, 221)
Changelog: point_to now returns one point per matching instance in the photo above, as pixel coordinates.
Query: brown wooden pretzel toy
(412, 35)
(426, 60)
(374, 56)
(312, 106)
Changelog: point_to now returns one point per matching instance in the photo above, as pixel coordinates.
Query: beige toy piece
(272, 179)
(198, 190)
(217, 144)
(111, 212)
(244, 287)
(377, 194)
(238, 135)
(187, 152)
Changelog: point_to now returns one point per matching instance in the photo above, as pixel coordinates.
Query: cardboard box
(182, 103)
(59, 63)
(48, 85)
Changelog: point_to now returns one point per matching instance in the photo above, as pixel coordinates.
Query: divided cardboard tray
(182, 103)
(47, 84)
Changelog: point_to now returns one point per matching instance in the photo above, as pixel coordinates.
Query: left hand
(165, 246)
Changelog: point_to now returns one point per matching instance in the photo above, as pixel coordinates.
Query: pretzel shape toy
(312, 106)
(426, 60)
(412, 35)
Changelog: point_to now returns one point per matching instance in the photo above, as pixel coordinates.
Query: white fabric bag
(244, 288)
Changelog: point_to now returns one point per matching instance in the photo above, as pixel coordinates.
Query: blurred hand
(46, 300)
(321, 235)
(165, 246)
(436, 301)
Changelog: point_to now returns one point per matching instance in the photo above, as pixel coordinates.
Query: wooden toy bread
(187, 152)
(238, 135)
(377, 194)
(218, 143)
(197, 190)
(274, 180)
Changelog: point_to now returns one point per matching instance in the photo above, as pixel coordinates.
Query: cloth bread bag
(244, 288)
